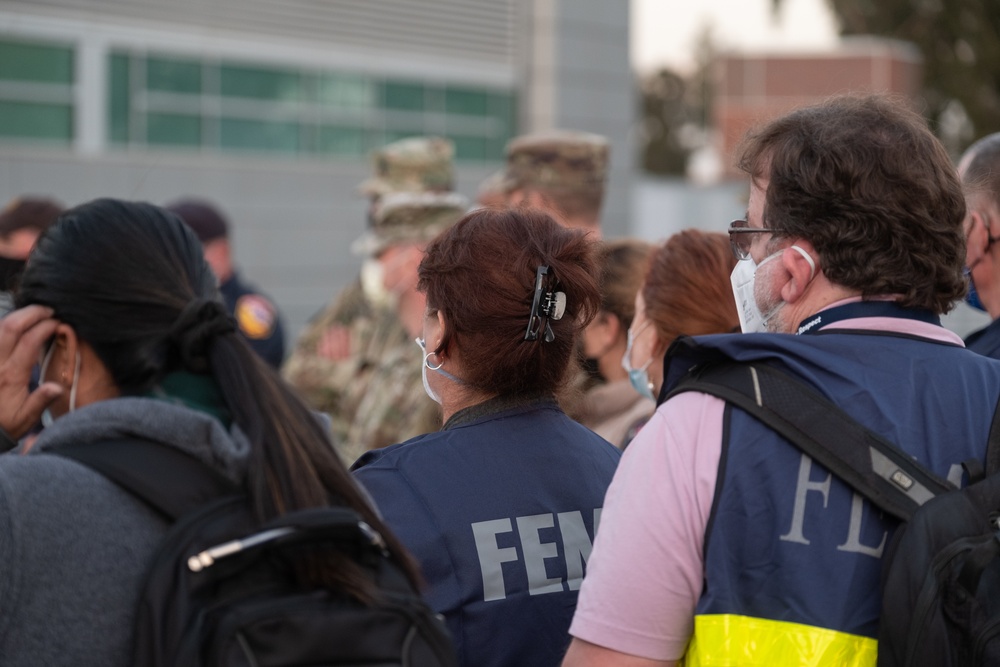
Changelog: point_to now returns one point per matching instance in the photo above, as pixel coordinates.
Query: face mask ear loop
(76, 381)
(812, 262)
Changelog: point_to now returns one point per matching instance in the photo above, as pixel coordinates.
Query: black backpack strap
(993, 448)
(167, 479)
(872, 465)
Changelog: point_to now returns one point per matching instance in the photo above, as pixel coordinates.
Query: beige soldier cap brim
(407, 217)
(416, 164)
(557, 159)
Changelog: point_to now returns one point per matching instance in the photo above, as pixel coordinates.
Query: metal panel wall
(478, 30)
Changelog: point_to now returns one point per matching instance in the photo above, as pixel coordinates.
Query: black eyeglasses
(740, 239)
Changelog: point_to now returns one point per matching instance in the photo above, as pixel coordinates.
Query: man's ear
(802, 269)
(977, 237)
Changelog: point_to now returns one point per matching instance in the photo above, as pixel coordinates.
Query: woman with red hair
(687, 292)
(501, 505)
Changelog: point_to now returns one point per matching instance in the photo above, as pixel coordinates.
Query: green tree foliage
(960, 43)
(675, 112)
(663, 114)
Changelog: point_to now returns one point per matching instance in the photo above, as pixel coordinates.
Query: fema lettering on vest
(544, 545)
(862, 512)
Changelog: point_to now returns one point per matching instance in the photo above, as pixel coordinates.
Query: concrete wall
(576, 75)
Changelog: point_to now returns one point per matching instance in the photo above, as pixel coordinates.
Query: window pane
(465, 101)
(30, 62)
(259, 135)
(167, 129)
(264, 84)
(503, 108)
(118, 98)
(342, 140)
(345, 91)
(178, 76)
(495, 149)
(404, 96)
(470, 148)
(36, 121)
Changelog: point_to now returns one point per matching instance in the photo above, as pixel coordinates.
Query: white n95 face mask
(373, 283)
(743, 279)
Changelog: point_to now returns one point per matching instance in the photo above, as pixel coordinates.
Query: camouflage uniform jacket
(335, 386)
(394, 408)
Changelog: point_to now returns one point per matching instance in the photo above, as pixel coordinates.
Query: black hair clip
(550, 305)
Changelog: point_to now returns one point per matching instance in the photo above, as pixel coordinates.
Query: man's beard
(770, 303)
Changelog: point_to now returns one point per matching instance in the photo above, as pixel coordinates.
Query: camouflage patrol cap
(417, 164)
(557, 160)
(407, 217)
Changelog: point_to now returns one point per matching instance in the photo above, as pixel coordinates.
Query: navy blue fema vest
(501, 513)
(788, 542)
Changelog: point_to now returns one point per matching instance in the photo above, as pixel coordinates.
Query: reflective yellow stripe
(726, 640)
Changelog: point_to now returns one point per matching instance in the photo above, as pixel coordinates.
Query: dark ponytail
(131, 280)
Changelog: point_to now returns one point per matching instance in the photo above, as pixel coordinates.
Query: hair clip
(550, 305)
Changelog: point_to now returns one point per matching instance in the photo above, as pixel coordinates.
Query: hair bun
(192, 334)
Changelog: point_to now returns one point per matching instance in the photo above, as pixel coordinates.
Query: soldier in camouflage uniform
(392, 406)
(347, 340)
(562, 172)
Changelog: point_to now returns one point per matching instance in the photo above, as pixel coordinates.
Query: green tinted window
(502, 107)
(168, 129)
(495, 148)
(33, 62)
(118, 98)
(36, 121)
(465, 101)
(404, 96)
(470, 148)
(264, 84)
(342, 140)
(176, 76)
(259, 135)
(344, 91)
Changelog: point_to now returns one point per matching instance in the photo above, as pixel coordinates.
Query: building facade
(270, 108)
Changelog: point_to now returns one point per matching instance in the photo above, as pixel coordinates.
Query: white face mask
(47, 418)
(743, 278)
(373, 283)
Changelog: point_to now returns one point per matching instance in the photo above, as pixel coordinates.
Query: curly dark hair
(865, 181)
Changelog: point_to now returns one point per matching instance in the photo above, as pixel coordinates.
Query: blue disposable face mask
(971, 296)
(425, 366)
(637, 377)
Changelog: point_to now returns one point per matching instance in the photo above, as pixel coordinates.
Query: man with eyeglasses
(979, 169)
(722, 543)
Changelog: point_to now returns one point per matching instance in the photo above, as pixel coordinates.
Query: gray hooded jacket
(74, 546)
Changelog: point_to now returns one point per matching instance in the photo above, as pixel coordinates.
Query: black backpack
(941, 571)
(221, 592)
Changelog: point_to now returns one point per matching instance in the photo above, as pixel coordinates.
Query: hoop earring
(429, 367)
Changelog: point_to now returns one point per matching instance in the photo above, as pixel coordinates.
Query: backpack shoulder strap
(872, 465)
(167, 479)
